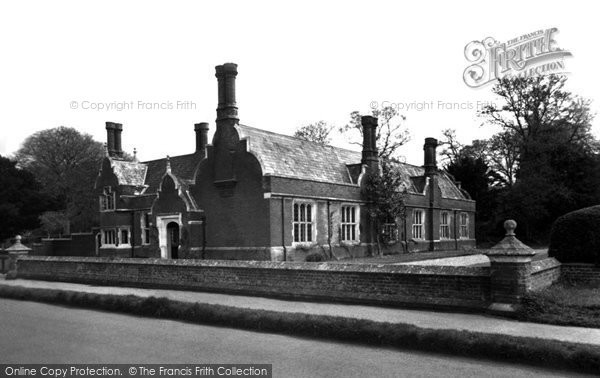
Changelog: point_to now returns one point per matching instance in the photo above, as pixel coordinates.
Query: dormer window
(107, 199)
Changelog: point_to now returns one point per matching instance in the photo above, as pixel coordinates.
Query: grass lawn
(563, 304)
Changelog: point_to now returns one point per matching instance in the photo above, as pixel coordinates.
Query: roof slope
(129, 172)
(182, 167)
(287, 156)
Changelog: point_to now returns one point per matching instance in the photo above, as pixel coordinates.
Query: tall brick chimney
(201, 136)
(430, 164)
(113, 139)
(226, 138)
(370, 155)
(227, 111)
(227, 108)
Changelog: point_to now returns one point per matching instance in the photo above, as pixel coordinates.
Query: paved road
(419, 318)
(40, 333)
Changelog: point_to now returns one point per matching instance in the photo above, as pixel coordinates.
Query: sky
(298, 63)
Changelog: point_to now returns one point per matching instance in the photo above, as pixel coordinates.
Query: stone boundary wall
(588, 274)
(406, 285)
(544, 273)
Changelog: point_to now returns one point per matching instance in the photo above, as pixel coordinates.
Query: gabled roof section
(414, 177)
(287, 156)
(129, 173)
(182, 167)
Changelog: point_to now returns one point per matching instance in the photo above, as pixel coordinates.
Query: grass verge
(580, 357)
(563, 304)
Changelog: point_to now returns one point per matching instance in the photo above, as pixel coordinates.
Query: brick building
(258, 195)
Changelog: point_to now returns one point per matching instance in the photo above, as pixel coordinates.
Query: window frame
(310, 223)
(145, 228)
(418, 226)
(352, 226)
(108, 199)
(391, 224)
(445, 226)
(118, 236)
(464, 226)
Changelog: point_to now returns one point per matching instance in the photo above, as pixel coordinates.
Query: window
(124, 237)
(389, 231)
(417, 224)
(349, 223)
(444, 225)
(110, 237)
(303, 222)
(464, 225)
(115, 237)
(146, 228)
(107, 199)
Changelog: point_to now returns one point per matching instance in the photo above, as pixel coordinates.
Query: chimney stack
(370, 155)
(430, 156)
(113, 139)
(201, 137)
(227, 108)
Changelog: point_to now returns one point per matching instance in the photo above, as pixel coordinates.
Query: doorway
(173, 239)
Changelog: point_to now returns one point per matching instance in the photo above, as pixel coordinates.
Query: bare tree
(315, 132)
(535, 107)
(391, 134)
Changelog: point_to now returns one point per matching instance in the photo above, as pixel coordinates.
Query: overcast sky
(298, 63)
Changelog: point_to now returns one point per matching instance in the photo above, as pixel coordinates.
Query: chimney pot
(430, 163)
(227, 108)
(110, 138)
(370, 155)
(201, 136)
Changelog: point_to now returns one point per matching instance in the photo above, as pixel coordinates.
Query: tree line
(542, 163)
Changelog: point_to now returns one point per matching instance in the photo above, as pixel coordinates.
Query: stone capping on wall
(539, 266)
(278, 265)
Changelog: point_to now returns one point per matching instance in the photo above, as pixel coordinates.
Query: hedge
(575, 237)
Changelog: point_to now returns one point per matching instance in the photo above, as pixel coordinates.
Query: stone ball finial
(18, 239)
(509, 226)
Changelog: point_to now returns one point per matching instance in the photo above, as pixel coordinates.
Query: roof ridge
(170, 157)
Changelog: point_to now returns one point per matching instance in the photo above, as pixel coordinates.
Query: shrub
(314, 257)
(575, 236)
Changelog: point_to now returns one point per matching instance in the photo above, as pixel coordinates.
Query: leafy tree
(55, 223)
(536, 109)
(386, 194)
(503, 155)
(545, 153)
(66, 162)
(21, 200)
(390, 135)
(476, 178)
(315, 132)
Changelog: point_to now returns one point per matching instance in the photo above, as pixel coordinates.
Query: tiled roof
(415, 175)
(287, 156)
(128, 172)
(181, 166)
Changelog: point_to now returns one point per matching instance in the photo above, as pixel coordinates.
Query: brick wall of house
(237, 217)
(447, 287)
